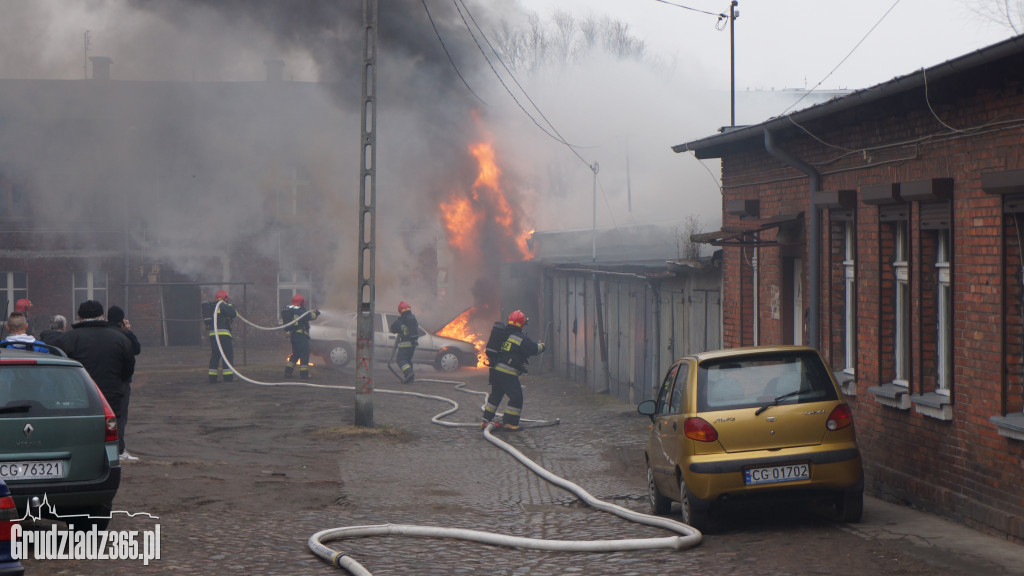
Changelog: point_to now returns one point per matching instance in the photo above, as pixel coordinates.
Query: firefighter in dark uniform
(508, 362)
(408, 331)
(225, 314)
(297, 317)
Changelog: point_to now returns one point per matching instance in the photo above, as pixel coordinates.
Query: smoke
(189, 174)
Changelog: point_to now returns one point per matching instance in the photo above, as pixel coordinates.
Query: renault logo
(28, 430)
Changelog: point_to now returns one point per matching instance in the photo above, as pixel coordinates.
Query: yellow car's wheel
(660, 504)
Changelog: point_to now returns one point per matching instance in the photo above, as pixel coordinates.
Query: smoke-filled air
(491, 122)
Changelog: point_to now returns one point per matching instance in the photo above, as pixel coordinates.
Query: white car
(333, 338)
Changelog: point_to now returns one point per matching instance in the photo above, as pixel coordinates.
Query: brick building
(154, 194)
(886, 228)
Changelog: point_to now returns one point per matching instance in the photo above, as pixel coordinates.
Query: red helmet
(403, 306)
(517, 318)
(222, 295)
(298, 300)
(22, 305)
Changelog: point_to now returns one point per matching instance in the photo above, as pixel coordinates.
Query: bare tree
(566, 41)
(687, 248)
(1007, 13)
(565, 26)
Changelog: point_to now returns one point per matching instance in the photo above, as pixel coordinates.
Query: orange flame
(459, 329)
(465, 215)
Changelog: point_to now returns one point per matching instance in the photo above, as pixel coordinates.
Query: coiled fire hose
(688, 536)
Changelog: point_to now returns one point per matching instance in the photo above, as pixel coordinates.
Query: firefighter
(297, 318)
(508, 362)
(408, 331)
(225, 314)
(23, 305)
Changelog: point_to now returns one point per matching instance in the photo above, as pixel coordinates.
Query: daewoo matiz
(745, 422)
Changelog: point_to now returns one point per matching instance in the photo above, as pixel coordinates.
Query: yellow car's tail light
(700, 430)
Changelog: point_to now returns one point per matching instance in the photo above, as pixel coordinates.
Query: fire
(485, 209)
(459, 329)
(461, 221)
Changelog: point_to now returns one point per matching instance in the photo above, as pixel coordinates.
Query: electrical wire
(460, 6)
(446, 53)
(924, 75)
(720, 15)
(850, 53)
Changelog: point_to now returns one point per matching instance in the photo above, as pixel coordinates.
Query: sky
(797, 43)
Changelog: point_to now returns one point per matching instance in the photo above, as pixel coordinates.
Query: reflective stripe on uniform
(506, 369)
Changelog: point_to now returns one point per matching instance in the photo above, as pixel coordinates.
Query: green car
(58, 439)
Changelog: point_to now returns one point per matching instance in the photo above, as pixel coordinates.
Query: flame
(459, 329)
(461, 220)
(468, 214)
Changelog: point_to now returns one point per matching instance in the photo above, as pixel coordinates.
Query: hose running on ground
(688, 536)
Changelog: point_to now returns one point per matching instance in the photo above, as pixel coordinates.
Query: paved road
(416, 472)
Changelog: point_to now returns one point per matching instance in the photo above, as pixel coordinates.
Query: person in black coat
(108, 355)
(117, 321)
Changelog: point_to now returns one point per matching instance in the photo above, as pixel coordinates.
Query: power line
(556, 136)
(446, 53)
(854, 49)
(720, 15)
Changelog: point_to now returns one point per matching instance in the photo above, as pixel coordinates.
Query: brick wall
(959, 467)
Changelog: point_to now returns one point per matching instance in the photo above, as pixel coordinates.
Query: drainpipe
(814, 232)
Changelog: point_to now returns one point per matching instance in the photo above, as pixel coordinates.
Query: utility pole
(85, 58)
(367, 218)
(733, 15)
(593, 233)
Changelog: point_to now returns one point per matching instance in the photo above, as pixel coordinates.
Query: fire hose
(687, 536)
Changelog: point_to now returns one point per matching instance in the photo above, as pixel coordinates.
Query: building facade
(885, 228)
(153, 195)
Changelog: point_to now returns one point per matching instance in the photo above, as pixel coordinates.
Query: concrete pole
(367, 220)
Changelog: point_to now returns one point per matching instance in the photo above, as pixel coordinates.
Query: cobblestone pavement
(242, 475)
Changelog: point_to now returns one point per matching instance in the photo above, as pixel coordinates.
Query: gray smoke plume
(180, 168)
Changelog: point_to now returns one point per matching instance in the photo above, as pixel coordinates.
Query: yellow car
(764, 421)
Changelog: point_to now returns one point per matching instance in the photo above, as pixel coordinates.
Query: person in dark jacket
(58, 324)
(508, 363)
(297, 318)
(117, 321)
(408, 331)
(107, 354)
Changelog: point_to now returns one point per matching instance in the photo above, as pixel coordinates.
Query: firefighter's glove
(540, 347)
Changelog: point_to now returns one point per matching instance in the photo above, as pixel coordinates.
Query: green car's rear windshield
(749, 381)
(38, 390)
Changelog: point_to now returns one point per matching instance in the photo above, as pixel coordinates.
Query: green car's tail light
(840, 418)
(110, 434)
(700, 430)
(8, 517)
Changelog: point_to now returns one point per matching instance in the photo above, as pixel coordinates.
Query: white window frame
(15, 287)
(850, 293)
(292, 282)
(944, 310)
(901, 272)
(88, 285)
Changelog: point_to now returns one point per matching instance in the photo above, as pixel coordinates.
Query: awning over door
(788, 225)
